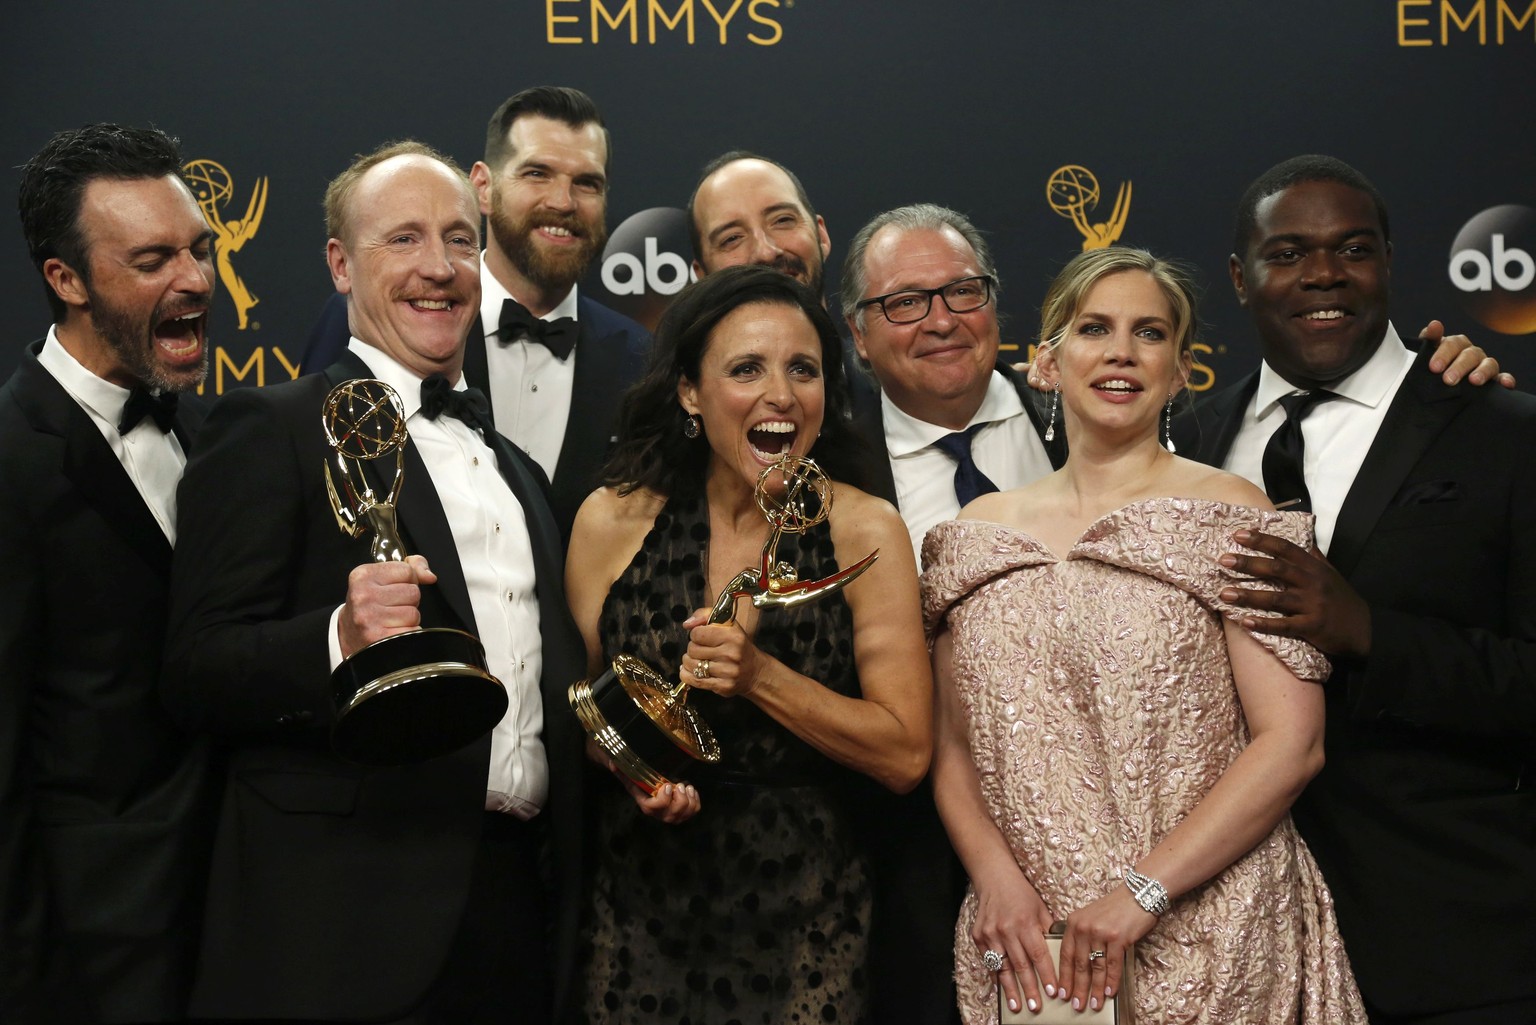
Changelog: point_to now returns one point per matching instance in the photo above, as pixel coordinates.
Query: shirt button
(534, 388)
(511, 596)
(498, 528)
(474, 460)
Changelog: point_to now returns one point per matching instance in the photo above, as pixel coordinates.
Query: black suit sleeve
(23, 886)
(246, 652)
(1453, 622)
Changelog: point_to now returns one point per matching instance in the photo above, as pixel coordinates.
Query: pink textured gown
(1101, 709)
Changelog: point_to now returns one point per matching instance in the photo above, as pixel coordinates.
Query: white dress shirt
(1008, 450)
(1337, 434)
(530, 390)
(490, 534)
(152, 458)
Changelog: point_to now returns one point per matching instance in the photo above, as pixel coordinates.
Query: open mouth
(179, 338)
(1117, 386)
(1324, 316)
(435, 305)
(771, 439)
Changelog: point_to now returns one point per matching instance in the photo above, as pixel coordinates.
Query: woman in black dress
(741, 895)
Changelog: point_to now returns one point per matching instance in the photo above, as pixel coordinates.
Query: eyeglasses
(912, 304)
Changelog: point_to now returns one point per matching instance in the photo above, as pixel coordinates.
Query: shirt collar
(905, 434)
(1372, 384)
(493, 293)
(392, 372)
(102, 397)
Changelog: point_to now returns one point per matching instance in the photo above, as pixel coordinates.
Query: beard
(131, 338)
(551, 271)
(812, 275)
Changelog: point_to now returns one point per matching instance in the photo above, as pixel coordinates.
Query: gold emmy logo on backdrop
(214, 188)
(1072, 191)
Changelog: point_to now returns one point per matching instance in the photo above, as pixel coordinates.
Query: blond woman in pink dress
(1114, 748)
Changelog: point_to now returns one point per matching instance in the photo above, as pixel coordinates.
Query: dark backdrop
(971, 104)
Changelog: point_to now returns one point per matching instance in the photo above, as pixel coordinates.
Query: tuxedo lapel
(423, 526)
(1420, 411)
(1216, 425)
(548, 549)
(476, 368)
(594, 402)
(89, 463)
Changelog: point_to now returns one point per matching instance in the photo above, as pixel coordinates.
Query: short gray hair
(917, 217)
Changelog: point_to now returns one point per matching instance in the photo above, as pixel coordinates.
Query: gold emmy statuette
(1073, 190)
(418, 694)
(643, 721)
(213, 187)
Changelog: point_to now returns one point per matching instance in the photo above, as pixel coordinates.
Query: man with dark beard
(747, 209)
(558, 362)
(103, 810)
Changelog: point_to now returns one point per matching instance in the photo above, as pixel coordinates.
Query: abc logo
(1493, 263)
(644, 264)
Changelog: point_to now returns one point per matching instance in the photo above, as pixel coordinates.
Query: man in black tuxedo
(558, 362)
(1424, 819)
(104, 804)
(437, 892)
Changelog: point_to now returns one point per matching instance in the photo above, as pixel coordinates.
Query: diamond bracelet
(1149, 893)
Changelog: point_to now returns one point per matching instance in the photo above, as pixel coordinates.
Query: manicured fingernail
(1243, 535)
(1013, 1005)
(1032, 1005)
(1093, 1005)
(1109, 991)
(666, 790)
(1077, 1004)
(1229, 560)
(1050, 990)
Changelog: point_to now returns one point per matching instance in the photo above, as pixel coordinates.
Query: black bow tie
(160, 408)
(439, 397)
(558, 335)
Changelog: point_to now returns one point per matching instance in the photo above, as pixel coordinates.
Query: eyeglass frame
(991, 289)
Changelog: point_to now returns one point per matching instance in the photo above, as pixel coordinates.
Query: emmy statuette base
(414, 696)
(652, 738)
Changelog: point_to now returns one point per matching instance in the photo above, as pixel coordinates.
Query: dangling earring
(693, 426)
(1168, 424)
(1050, 427)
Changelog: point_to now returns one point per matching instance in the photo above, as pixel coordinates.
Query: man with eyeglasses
(919, 293)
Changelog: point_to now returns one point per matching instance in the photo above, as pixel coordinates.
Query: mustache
(181, 307)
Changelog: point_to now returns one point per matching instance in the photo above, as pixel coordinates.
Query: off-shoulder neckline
(1113, 514)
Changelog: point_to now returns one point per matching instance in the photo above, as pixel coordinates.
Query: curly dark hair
(653, 452)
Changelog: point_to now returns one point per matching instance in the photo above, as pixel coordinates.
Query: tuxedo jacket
(104, 802)
(1424, 818)
(917, 881)
(335, 889)
(610, 355)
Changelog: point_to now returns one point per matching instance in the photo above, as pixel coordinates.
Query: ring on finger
(701, 670)
(993, 960)
(1094, 955)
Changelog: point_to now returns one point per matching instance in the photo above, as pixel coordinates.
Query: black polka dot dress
(754, 912)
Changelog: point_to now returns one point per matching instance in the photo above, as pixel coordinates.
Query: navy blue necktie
(1285, 454)
(970, 482)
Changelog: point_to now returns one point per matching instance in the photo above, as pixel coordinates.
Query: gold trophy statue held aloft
(643, 721)
(413, 695)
